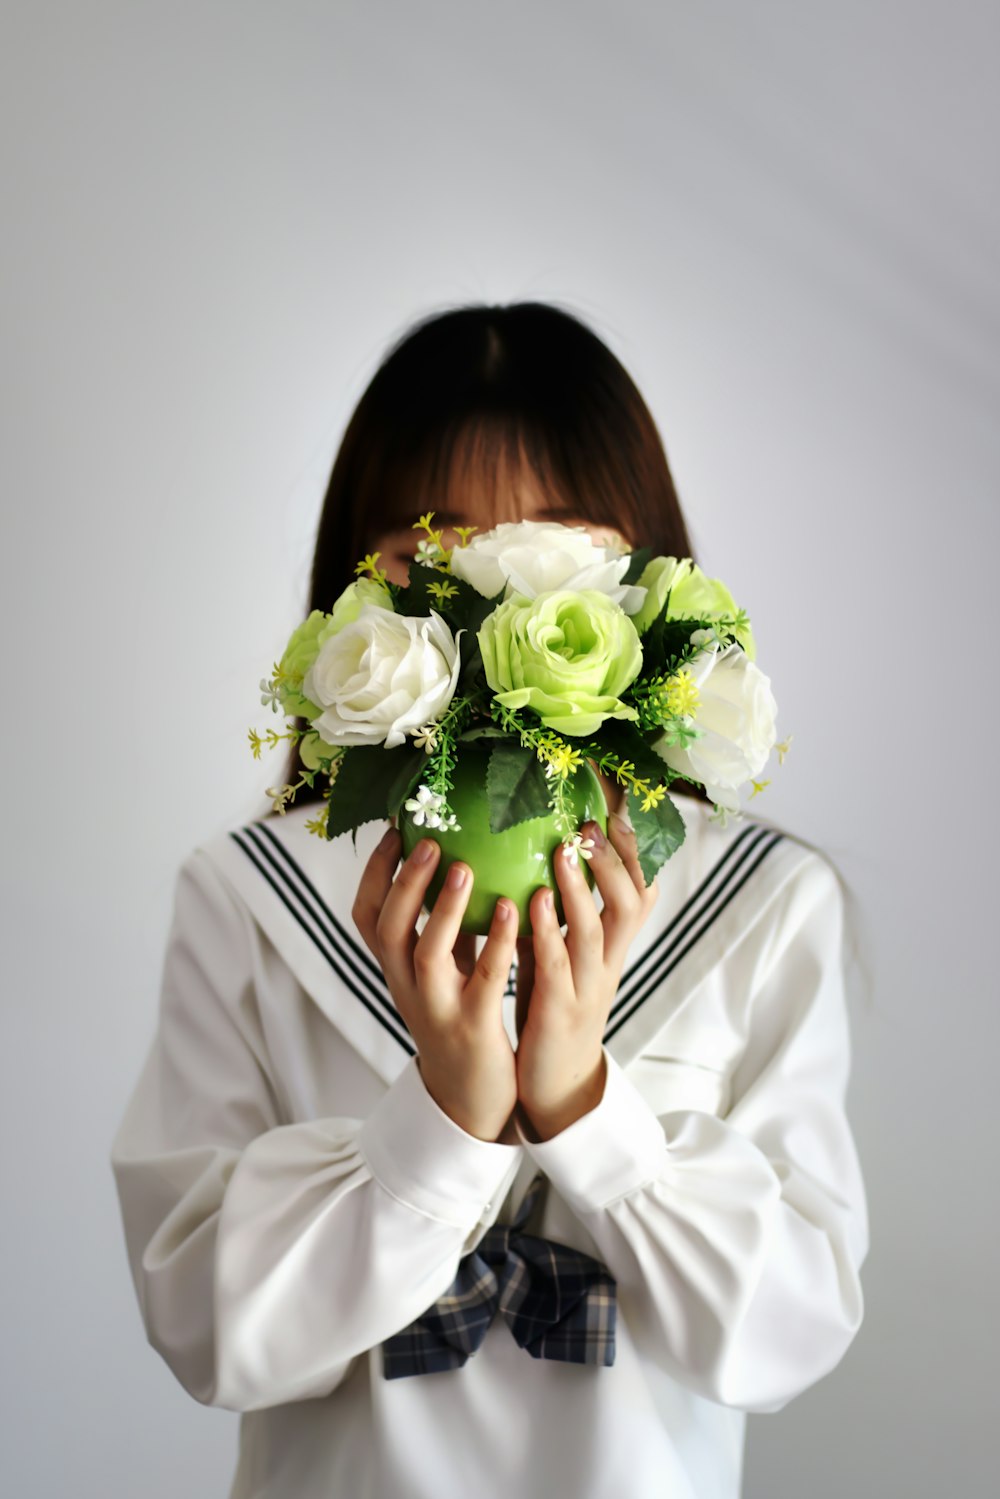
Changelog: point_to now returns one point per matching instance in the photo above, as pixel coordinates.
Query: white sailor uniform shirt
(292, 1196)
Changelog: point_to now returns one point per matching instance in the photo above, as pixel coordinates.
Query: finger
(552, 965)
(395, 928)
(374, 886)
(613, 873)
(489, 978)
(584, 933)
(622, 837)
(627, 898)
(433, 953)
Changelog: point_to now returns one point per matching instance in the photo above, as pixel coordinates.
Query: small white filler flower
(579, 846)
(425, 738)
(427, 808)
(269, 694)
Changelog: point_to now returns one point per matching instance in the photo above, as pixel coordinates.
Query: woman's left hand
(566, 984)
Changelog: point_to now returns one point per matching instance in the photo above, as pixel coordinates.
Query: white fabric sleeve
(267, 1255)
(737, 1242)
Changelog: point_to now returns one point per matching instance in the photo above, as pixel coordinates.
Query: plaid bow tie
(558, 1302)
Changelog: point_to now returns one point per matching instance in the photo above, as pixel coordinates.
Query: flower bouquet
(477, 704)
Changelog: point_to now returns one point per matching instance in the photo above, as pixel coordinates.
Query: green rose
(312, 746)
(565, 654)
(305, 641)
(658, 577)
(300, 653)
(694, 596)
(347, 608)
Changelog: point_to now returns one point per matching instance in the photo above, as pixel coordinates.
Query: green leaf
(659, 833)
(516, 786)
(469, 607)
(637, 562)
(470, 611)
(665, 641)
(414, 599)
(372, 783)
(483, 731)
(619, 737)
(411, 765)
(471, 676)
(464, 611)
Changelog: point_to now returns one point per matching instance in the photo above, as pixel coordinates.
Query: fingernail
(593, 830)
(423, 850)
(456, 877)
(548, 904)
(386, 841)
(504, 910)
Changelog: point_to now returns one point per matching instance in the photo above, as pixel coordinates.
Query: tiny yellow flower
(653, 797)
(280, 795)
(463, 533)
(680, 693)
(562, 760)
(758, 786)
(369, 565)
(782, 748)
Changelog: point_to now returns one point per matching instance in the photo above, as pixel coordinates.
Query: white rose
(532, 557)
(737, 711)
(381, 676)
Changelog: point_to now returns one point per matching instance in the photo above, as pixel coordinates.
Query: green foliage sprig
(442, 747)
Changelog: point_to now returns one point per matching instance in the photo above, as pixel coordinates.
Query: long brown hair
(466, 400)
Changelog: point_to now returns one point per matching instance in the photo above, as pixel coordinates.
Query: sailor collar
(716, 885)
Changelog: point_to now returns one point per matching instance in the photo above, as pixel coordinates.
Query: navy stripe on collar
(301, 898)
(364, 978)
(701, 909)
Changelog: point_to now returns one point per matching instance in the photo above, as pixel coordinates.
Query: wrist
(543, 1123)
(492, 1128)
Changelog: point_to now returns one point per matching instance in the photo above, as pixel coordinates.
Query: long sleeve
(267, 1255)
(737, 1242)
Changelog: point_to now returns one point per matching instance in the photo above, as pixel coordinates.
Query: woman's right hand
(453, 1009)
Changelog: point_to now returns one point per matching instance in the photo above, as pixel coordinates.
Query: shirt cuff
(428, 1162)
(615, 1149)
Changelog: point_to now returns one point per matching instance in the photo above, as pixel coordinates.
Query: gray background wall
(784, 219)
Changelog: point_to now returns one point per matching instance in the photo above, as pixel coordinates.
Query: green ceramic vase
(514, 863)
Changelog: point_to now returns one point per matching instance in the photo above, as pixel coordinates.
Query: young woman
(445, 1216)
